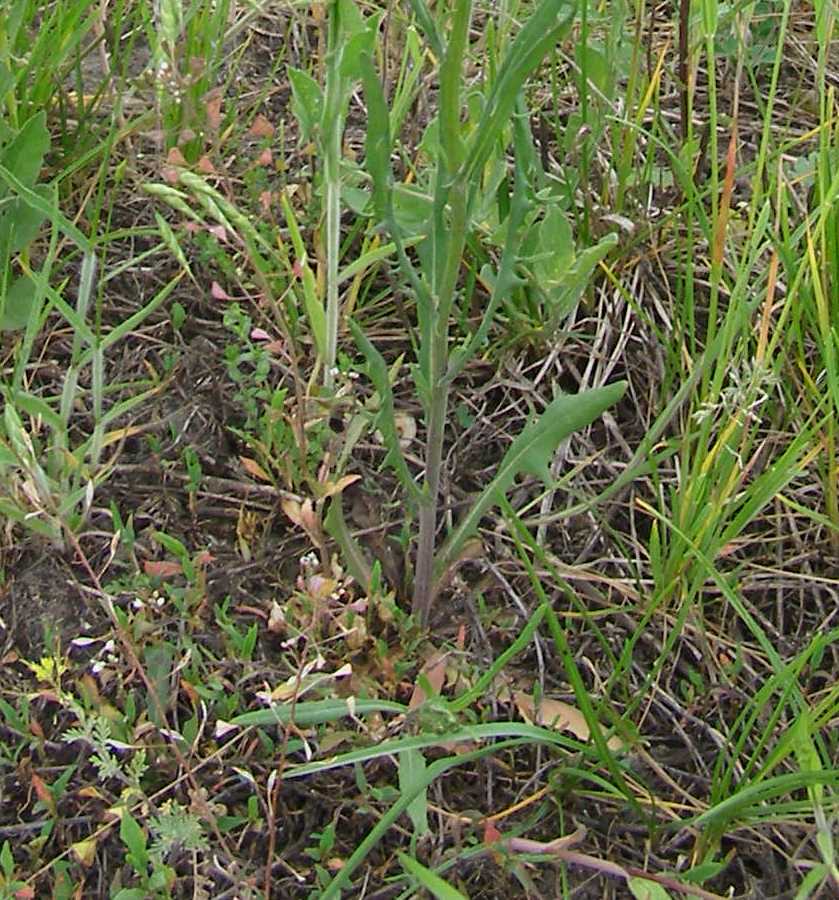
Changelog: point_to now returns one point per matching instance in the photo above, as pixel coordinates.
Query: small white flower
(309, 560)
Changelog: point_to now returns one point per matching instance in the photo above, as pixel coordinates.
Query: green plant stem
(438, 404)
(449, 239)
(332, 192)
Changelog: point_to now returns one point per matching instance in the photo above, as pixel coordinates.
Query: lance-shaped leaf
(530, 452)
(543, 29)
(425, 19)
(412, 771)
(507, 278)
(569, 287)
(306, 101)
(353, 556)
(377, 370)
(378, 147)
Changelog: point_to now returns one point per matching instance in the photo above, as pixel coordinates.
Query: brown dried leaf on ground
(559, 716)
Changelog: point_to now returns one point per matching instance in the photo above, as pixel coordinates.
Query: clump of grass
(672, 657)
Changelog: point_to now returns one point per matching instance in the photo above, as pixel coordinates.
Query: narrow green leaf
(531, 452)
(352, 554)
(127, 325)
(541, 31)
(812, 881)
(386, 420)
(710, 17)
(378, 141)
(315, 312)
(135, 841)
(426, 22)
(489, 732)
(739, 805)
(38, 407)
(411, 780)
(704, 871)
(306, 101)
(159, 660)
(506, 278)
(360, 41)
(431, 881)
(171, 20)
(172, 544)
(293, 228)
(378, 147)
(644, 889)
(317, 712)
(7, 860)
(451, 85)
(360, 265)
(352, 21)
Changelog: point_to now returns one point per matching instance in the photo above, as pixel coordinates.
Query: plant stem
(448, 239)
(332, 191)
(438, 362)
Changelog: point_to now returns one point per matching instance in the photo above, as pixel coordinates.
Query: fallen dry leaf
(161, 568)
(217, 292)
(332, 488)
(213, 101)
(435, 671)
(261, 127)
(304, 516)
(254, 469)
(559, 716)
(175, 158)
(84, 851)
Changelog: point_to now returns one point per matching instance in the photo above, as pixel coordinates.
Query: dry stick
(572, 857)
(561, 848)
(15, 831)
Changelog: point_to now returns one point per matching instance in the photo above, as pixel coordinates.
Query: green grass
(418, 462)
